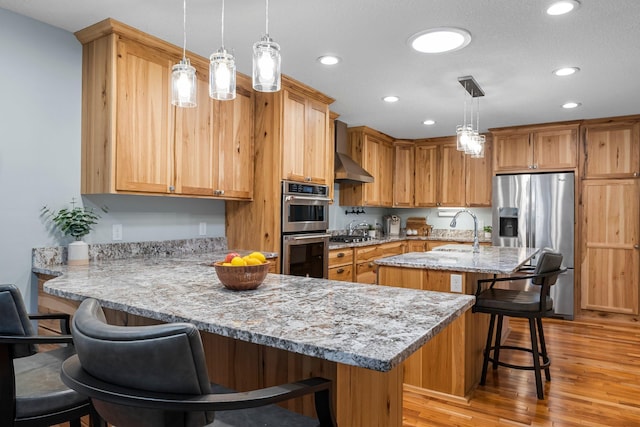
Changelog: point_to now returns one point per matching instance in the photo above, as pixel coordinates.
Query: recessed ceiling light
(562, 7)
(570, 105)
(390, 99)
(567, 71)
(438, 40)
(429, 122)
(328, 60)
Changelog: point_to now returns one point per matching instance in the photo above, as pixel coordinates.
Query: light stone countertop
(490, 259)
(436, 235)
(374, 327)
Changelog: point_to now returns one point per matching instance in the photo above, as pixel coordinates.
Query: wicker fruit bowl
(241, 278)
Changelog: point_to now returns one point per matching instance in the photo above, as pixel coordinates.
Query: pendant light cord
(222, 26)
(184, 30)
(266, 13)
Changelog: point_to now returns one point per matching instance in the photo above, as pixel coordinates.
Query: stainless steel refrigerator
(537, 210)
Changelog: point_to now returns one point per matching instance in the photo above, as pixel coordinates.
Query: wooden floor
(595, 381)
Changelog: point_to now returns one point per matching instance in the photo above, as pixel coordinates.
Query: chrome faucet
(476, 244)
(351, 228)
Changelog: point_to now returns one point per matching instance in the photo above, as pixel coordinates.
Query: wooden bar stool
(531, 305)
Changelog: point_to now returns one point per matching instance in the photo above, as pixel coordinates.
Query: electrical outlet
(456, 283)
(203, 229)
(116, 232)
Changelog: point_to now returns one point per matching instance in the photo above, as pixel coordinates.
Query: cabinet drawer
(366, 272)
(340, 257)
(343, 273)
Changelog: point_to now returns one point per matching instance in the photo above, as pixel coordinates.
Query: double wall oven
(305, 220)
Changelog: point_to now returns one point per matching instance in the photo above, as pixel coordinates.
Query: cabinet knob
(307, 178)
(172, 188)
(636, 246)
(340, 255)
(340, 270)
(371, 264)
(218, 192)
(635, 174)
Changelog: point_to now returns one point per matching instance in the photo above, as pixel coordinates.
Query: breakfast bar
(289, 328)
(449, 366)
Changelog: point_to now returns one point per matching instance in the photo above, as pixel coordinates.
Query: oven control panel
(290, 187)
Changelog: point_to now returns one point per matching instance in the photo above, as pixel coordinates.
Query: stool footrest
(543, 364)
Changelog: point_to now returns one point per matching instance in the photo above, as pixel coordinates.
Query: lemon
(253, 261)
(259, 256)
(238, 262)
(227, 264)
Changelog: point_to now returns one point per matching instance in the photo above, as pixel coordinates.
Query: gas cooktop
(345, 238)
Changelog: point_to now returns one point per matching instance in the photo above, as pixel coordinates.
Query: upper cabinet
(536, 148)
(374, 152)
(306, 138)
(403, 179)
(610, 149)
(135, 142)
(479, 175)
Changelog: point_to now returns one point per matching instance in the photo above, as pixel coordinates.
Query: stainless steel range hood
(346, 169)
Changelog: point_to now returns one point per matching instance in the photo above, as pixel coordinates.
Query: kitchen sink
(454, 248)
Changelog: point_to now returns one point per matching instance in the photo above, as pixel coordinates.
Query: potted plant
(76, 222)
(487, 231)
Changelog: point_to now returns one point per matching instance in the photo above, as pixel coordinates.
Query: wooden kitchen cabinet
(135, 142)
(366, 269)
(374, 152)
(611, 149)
(403, 175)
(417, 245)
(479, 176)
(341, 264)
(439, 158)
(306, 138)
(610, 270)
(535, 148)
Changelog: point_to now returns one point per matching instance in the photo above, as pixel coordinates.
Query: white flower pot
(78, 253)
(487, 235)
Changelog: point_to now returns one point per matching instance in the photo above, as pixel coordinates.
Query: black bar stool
(532, 305)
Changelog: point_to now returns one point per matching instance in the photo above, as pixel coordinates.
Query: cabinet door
(317, 147)
(612, 151)
(426, 170)
(234, 147)
(385, 174)
(194, 149)
(403, 175)
(555, 149)
(479, 176)
(512, 152)
(294, 136)
(611, 260)
(451, 179)
(144, 121)
(371, 152)
(416, 245)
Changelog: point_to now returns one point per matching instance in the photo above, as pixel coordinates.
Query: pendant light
(464, 132)
(266, 61)
(222, 71)
(469, 140)
(183, 74)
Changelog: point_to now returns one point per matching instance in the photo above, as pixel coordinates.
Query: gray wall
(40, 89)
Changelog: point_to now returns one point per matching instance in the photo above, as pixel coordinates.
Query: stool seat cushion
(511, 300)
(39, 389)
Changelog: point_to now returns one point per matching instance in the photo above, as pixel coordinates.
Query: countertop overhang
(374, 327)
(490, 259)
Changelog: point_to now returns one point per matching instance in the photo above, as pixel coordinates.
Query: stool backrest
(165, 358)
(548, 262)
(14, 319)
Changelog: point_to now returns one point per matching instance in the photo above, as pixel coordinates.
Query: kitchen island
(450, 364)
(289, 328)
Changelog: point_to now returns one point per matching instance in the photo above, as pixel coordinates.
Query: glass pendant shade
(222, 76)
(464, 133)
(183, 84)
(476, 148)
(266, 65)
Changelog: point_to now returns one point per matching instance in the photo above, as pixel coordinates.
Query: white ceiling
(514, 48)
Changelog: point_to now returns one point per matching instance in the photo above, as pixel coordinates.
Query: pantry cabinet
(535, 148)
(374, 152)
(135, 142)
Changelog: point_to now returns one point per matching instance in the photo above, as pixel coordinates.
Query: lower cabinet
(366, 269)
(341, 264)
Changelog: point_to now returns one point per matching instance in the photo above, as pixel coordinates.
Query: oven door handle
(311, 236)
(312, 199)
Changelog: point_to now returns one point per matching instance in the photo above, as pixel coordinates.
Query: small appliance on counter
(391, 225)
